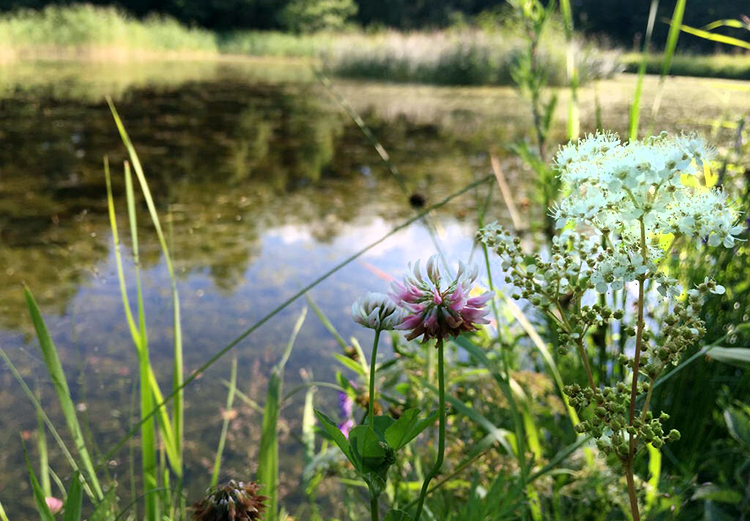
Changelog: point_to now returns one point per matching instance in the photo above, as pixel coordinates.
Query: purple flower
(346, 427)
(436, 307)
(346, 405)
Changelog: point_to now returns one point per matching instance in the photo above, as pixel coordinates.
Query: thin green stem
(441, 431)
(371, 404)
(585, 358)
(374, 506)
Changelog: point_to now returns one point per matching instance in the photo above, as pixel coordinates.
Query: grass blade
(178, 373)
(39, 498)
(41, 438)
(135, 330)
(714, 37)
(635, 108)
(55, 370)
(286, 303)
(574, 123)
(74, 502)
(44, 416)
(3, 515)
(225, 425)
(673, 36)
(654, 471)
(268, 457)
(149, 465)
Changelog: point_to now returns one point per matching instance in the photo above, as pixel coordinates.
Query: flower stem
(631, 492)
(374, 506)
(371, 401)
(634, 386)
(441, 431)
(371, 418)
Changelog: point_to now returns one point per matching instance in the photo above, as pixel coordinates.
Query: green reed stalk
(225, 425)
(635, 108)
(149, 467)
(574, 121)
(178, 370)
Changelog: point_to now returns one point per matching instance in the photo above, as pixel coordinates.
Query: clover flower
(437, 307)
(232, 501)
(377, 311)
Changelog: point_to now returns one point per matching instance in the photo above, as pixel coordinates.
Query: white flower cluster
(617, 186)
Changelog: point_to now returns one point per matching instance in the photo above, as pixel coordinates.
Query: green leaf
(349, 363)
(718, 494)
(39, 499)
(397, 515)
(408, 427)
(714, 37)
(382, 424)
(738, 424)
(674, 33)
(268, 455)
(337, 436)
(103, 510)
(737, 356)
(55, 370)
(74, 502)
(367, 448)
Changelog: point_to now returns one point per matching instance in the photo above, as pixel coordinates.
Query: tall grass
(458, 57)
(729, 66)
(88, 31)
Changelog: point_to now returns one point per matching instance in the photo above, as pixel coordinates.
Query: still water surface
(265, 184)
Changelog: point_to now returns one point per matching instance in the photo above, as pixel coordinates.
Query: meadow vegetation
(536, 389)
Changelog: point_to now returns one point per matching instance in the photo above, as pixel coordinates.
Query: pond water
(265, 183)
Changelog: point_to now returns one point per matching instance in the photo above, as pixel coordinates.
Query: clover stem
(371, 401)
(374, 507)
(441, 431)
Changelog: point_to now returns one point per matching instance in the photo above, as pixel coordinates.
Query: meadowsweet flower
(54, 504)
(377, 311)
(437, 307)
(617, 186)
(232, 501)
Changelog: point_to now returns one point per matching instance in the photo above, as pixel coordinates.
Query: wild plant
(630, 206)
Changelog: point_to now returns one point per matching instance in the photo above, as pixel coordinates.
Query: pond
(264, 183)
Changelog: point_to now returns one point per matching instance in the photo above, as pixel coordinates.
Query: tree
(305, 16)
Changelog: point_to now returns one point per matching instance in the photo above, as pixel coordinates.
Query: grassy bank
(85, 31)
(728, 66)
(464, 56)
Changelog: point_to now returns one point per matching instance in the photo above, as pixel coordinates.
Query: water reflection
(264, 184)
